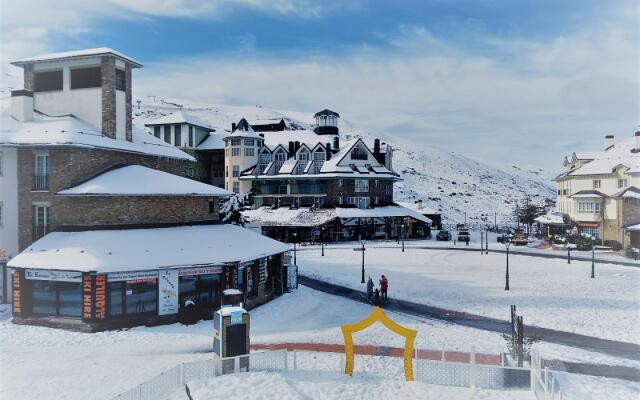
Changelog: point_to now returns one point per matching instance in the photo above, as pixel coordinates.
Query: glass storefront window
(141, 297)
(44, 297)
(115, 298)
(202, 290)
(70, 299)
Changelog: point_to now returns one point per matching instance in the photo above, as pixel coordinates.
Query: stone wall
(108, 72)
(68, 167)
(129, 127)
(28, 77)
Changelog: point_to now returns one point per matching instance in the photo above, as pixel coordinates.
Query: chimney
(637, 146)
(608, 141)
(22, 105)
(261, 135)
(328, 150)
(376, 147)
(420, 205)
(336, 142)
(292, 149)
(233, 127)
(297, 146)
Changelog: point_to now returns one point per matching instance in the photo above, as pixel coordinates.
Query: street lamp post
(486, 243)
(568, 253)
(362, 280)
(322, 239)
(402, 239)
(506, 285)
(295, 258)
(593, 257)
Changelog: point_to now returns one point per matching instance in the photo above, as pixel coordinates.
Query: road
(610, 347)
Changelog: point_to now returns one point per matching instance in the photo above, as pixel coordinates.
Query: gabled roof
(99, 51)
(326, 111)
(268, 121)
(605, 162)
(179, 117)
(243, 129)
(630, 192)
(215, 141)
(588, 193)
(70, 131)
(136, 180)
(119, 250)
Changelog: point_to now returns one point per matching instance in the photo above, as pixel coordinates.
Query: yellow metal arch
(378, 315)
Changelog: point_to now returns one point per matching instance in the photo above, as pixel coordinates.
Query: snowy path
(548, 293)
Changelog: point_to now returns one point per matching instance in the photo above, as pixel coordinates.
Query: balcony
(41, 182)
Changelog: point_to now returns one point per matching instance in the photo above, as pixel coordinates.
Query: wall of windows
(133, 297)
(594, 232)
(56, 298)
(588, 207)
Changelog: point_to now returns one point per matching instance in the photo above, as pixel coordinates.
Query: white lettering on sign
(132, 276)
(47, 275)
(200, 271)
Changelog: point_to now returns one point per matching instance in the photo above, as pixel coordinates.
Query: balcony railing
(41, 182)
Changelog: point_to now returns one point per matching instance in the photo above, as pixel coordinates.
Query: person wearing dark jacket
(384, 285)
(369, 289)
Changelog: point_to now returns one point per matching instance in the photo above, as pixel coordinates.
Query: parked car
(520, 239)
(443, 235)
(463, 236)
(504, 238)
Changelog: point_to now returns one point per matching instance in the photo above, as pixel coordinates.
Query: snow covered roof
(224, 311)
(268, 121)
(585, 155)
(635, 227)
(551, 219)
(605, 162)
(304, 136)
(418, 207)
(231, 292)
(98, 51)
(136, 180)
(380, 212)
(70, 131)
(179, 117)
(146, 249)
(283, 216)
(244, 130)
(630, 192)
(588, 194)
(215, 141)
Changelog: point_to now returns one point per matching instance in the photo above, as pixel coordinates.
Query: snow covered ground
(44, 363)
(549, 293)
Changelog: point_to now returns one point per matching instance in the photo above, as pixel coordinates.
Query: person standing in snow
(384, 285)
(369, 289)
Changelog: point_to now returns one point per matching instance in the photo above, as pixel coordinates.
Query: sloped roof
(551, 219)
(136, 180)
(179, 117)
(630, 192)
(146, 249)
(588, 193)
(381, 212)
(98, 51)
(243, 129)
(326, 111)
(418, 207)
(283, 216)
(215, 141)
(70, 131)
(267, 121)
(604, 162)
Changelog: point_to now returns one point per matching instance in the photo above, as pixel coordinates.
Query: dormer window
(265, 157)
(303, 155)
(319, 156)
(358, 154)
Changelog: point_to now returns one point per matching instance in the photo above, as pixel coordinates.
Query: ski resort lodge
(101, 227)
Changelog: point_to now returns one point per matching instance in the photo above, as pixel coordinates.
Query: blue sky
(531, 79)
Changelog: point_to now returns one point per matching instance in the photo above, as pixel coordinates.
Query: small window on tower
(121, 80)
(47, 81)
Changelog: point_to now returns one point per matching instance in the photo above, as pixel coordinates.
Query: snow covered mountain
(459, 187)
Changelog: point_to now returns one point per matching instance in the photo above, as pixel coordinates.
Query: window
(358, 154)
(303, 155)
(226, 171)
(167, 134)
(340, 182)
(177, 132)
(82, 78)
(41, 219)
(235, 152)
(259, 143)
(360, 202)
(116, 300)
(47, 81)
(588, 207)
(236, 187)
(140, 297)
(622, 183)
(121, 80)
(362, 185)
(564, 192)
(236, 171)
(202, 290)
(248, 142)
(41, 179)
(56, 298)
(191, 136)
(319, 155)
(235, 142)
(596, 183)
(212, 206)
(265, 157)
(590, 231)
(156, 131)
(249, 151)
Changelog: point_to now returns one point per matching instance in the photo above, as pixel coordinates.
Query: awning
(381, 212)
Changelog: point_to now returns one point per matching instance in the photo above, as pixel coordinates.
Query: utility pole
(481, 242)
(593, 257)
(486, 246)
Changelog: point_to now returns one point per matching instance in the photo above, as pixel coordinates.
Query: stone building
(103, 228)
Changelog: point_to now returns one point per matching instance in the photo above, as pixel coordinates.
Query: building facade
(241, 149)
(599, 190)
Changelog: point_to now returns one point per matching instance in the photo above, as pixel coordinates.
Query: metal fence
(538, 379)
(544, 382)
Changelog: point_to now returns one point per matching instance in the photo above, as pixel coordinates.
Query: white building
(600, 190)
(241, 153)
